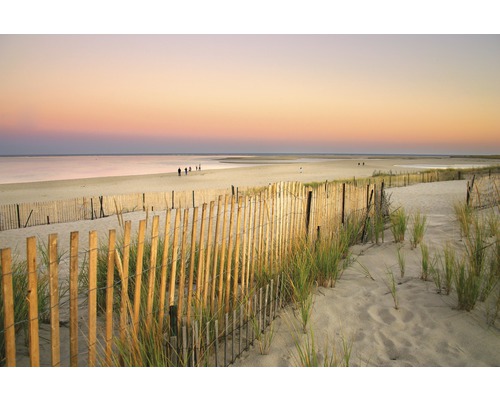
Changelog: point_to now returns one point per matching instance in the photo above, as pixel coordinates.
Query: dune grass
(418, 228)
(399, 222)
(449, 262)
(424, 250)
(401, 262)
(392, 286)
(477, 273)
(263, 335)
(301, 283)
(463, 213)
(307, 354)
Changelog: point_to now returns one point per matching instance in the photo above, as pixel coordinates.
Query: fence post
(381, 196)
(101, 211)
(18, 217)
(34, 341)
(8, 304)
(343, 203)
(54, 302)
(308, 211)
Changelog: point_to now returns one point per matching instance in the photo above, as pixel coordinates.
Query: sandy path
(426, 330)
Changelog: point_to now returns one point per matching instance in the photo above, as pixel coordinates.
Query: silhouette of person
(186, 170)
(179, 171)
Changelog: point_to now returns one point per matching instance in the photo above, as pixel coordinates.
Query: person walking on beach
(186, 170)
(179, 171)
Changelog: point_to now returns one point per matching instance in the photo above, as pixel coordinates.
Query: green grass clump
(301, 282)
(477, 274)
(399, 222)
(308, 355)
(467, 285)
(327, 260)
(401, 262)
(437, 274)
(378, 228)
(263, 335)
(424, 250)
(392, 286)
(463, 213)
(418, 229)
(449, 263)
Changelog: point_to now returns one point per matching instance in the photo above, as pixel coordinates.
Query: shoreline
(256, 175)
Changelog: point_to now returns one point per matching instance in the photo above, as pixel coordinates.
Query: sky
(232, 93)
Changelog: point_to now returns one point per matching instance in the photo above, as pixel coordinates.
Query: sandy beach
(425, 331)
(265, 170)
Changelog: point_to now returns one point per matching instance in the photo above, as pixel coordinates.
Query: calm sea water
(50, 168)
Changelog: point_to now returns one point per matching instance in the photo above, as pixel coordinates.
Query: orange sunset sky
(75, 94)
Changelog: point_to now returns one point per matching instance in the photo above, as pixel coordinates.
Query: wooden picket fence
(204, 281)
(484, 191)
(14, 216)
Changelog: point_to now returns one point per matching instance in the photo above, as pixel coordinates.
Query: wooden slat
(261, 230)
(109, 294)
(34, 342)
(152, 272)
(138, 273)
(216, 248)
(55, 342)
(73, 299)
(237, 255)
(182, 269)
(8, 308)
(163, 273)
(254, 243)
(191, 266)
(267, 238)
(125, 299)
(208, 264)
(272, 238)
(175, 247)
(201, 257)
(92, 302)
(230, 254)
(222, 256)
(244, 245)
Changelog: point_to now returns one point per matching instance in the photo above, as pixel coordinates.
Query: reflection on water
(34, 169)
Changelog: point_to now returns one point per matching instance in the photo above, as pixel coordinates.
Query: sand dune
(425, 331)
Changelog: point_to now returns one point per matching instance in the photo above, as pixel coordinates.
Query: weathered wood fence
(206, 283)
(14, 216)
(483, 191)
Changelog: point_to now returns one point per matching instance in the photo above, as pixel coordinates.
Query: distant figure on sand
(179, 171)
(186, 170)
